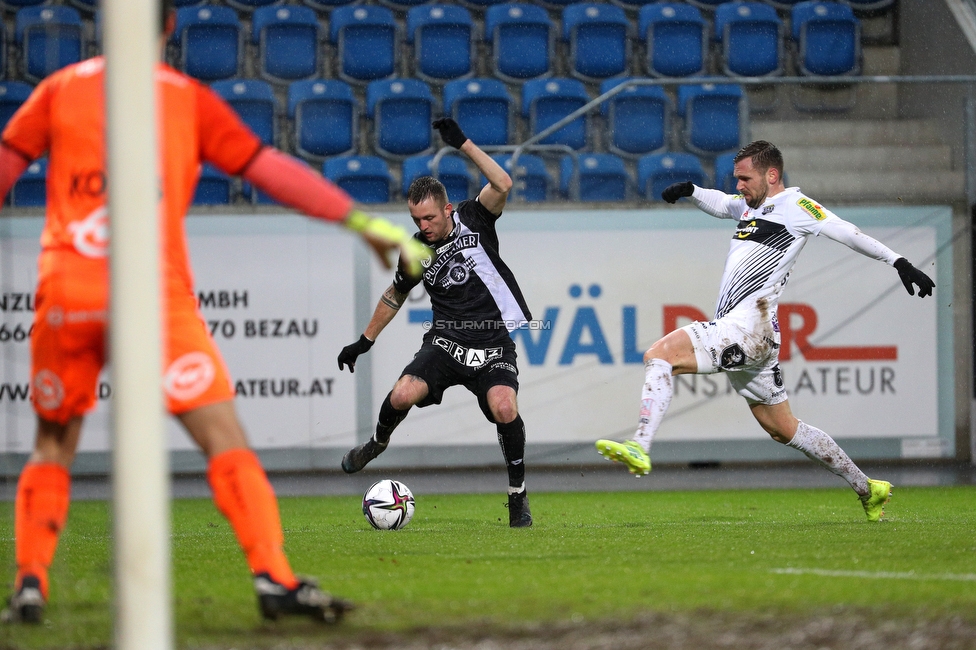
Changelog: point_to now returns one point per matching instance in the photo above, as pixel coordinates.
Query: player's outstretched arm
(493, 195)
(295, 184)
(714, 202)
(12, 165)
(848, 234)
(386, 309)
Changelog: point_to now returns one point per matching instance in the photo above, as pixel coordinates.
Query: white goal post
(140, 470)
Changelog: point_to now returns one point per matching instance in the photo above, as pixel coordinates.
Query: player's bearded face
(752, 183)
(433, 221)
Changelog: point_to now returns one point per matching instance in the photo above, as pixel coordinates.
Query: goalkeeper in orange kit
(65, 118)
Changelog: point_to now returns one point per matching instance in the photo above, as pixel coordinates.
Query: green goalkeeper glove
(384, 236)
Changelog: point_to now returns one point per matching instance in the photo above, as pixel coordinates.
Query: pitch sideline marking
(883, 575)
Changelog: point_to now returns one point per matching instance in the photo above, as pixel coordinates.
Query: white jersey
(764, 247)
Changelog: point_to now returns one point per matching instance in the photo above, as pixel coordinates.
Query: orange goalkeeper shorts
(69, 346)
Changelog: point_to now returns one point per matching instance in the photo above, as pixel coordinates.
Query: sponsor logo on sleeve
(811, 208)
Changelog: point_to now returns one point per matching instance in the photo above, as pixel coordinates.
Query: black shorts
(443, 363)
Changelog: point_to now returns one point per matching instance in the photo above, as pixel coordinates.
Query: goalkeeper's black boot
(518, 510)
(27, 605)
(358, 457)
(306, 599)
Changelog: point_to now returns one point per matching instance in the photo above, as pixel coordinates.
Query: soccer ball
(388, 505)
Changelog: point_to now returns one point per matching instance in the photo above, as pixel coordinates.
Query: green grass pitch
(589, 557)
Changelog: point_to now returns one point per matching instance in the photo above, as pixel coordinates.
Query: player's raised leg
(408, 390)
(672, 355)
(503, 405)
(780, 423)
(245, 497)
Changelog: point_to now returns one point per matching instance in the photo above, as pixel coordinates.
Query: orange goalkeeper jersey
(65, 117)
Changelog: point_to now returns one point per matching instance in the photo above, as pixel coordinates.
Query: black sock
(388, 420)
(511, 437)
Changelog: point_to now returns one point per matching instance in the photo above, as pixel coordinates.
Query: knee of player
(504, 412)
(407, 392)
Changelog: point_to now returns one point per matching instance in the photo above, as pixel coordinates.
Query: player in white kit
(743, 339)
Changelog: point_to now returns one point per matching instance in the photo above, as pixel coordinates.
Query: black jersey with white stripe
(474, 295)
(764, 246)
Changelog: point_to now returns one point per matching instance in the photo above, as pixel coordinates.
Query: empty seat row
(325, 114)
(588, 177)
(477, 5)
(208, 40)
(522, 37)
(368, 179)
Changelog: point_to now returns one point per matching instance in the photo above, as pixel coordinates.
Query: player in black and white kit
(476, 304)
(743, 340)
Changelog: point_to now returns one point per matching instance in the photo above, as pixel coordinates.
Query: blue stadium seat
(452, 171)
(546, 101)
(676, 41)
(828, 38)
(187, 3)
(482, 108)
(714, 116)
(750, 35)
(638, 118)
(12, 95)
(725, 180)
(365, 178)
(658, 170)
(325, 115)
(531, 180)
(254, 101)
(366, 42)
(288, 42)
(30, 190)
(251, 5)
(401, 110)
(209, 42)
(50, 38)
(213, 188)
(521, 37)
(601, 177)
(442, 41)
(598, 36)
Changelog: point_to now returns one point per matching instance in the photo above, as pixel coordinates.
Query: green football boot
(629, 453)
(874, 501)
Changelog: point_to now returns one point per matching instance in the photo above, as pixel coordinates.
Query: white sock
(821, 448)
(655, 398)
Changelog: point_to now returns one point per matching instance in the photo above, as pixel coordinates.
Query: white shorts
(747, 351)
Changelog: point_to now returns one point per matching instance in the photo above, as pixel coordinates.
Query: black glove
(352, 351)
(909, 275)
(675, 191)
(450, 132)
